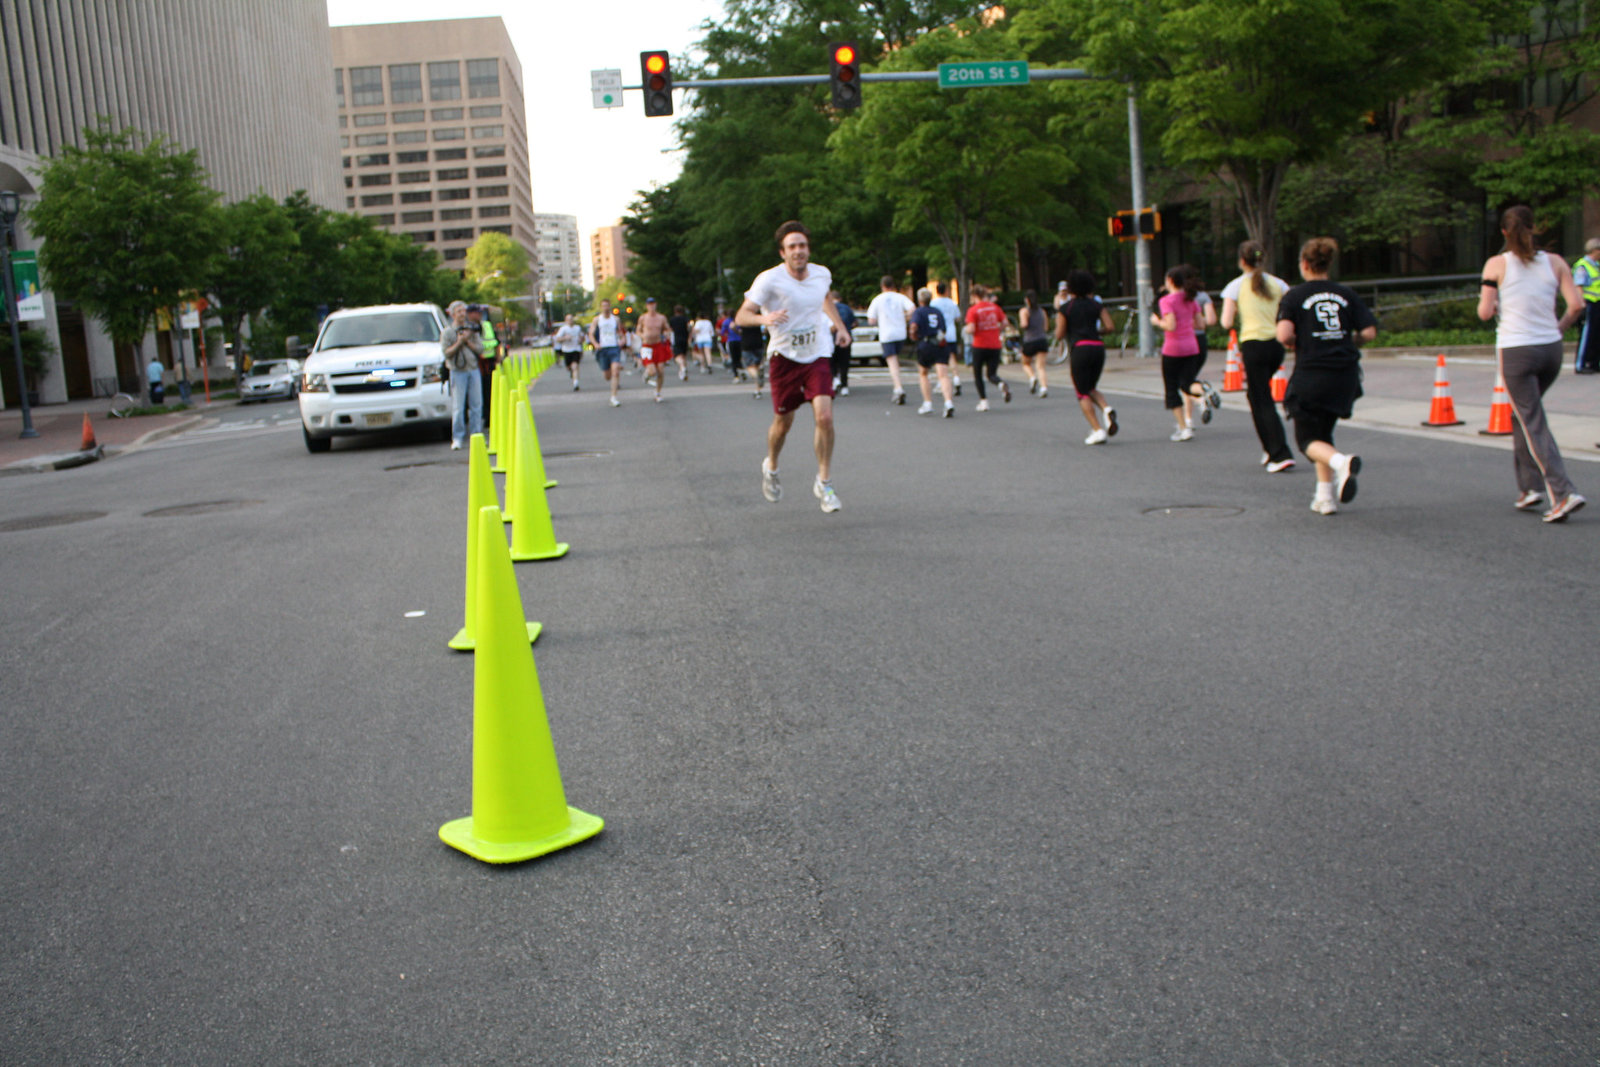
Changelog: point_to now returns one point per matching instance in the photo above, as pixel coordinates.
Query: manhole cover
(1194, 511)
(578, 455)
(206, 508)
(39, 522)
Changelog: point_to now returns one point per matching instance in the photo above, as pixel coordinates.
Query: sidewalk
(60, 430)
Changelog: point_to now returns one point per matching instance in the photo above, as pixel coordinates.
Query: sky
(585, 161)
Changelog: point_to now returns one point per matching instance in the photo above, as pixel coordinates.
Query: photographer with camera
(463, 346)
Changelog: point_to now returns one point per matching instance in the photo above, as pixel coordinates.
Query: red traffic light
(844, 76)
(844, 53)
(1121, 225)
(655, 63)
(655, 69)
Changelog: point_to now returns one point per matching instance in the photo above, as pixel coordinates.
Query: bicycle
(122, 405)
(1060, 350)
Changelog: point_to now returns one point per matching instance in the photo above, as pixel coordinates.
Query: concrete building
(237, 80)
(560, 255)
(433, 132)
(609, 253)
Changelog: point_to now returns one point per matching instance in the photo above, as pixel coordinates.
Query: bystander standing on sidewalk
(1586, 276)
(155, 373)
(462, 346)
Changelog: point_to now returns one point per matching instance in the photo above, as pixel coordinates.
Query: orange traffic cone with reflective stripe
(89, 443)
(1443, 410)
(1233, 371)
(1280, 384)
(1499, 410)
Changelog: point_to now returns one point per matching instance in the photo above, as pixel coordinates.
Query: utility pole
(1141, 247)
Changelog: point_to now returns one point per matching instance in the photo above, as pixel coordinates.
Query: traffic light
(655, 72)
(1120, 225)
(844, 76)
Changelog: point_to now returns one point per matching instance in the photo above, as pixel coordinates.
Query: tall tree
(258, 252)
(499, 265)
(128, 225)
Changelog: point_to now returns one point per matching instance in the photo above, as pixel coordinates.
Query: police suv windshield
(388, 328)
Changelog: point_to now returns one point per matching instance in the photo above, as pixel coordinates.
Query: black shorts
(572, 358)
(1036, 347)
(1177, 374)
(932, 355)
(1312, 424)
(1087, 363)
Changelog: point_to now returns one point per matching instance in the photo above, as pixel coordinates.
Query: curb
(59, 462)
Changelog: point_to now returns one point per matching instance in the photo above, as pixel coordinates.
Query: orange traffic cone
(89, 443)
(1280, 384)
(1499, 410)
(1443, 411)
(1233, 372)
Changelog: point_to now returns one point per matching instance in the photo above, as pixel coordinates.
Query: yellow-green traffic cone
(532, 536)
(480, 494)
(537, 472)
(493, 402)
(519, 809)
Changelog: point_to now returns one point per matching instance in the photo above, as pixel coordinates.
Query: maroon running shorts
(797, 384)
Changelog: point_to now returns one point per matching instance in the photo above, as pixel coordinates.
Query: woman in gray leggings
(1520, 285)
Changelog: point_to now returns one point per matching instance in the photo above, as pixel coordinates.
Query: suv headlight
(432, 373)
(313, 383)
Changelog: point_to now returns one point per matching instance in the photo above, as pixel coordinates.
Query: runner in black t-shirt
(1079, 320)
(679, 321)
(1325, 323)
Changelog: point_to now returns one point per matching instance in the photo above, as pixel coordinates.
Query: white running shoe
(455, 446)
(1111, 422)
(1098, 437)
(1529, 500)
(1280, 465)
(836, 381)
(899, 396)
(844, 390)
(1344, 478)
(1265, 459)
(1570, 503)
(926, 408)
(1184, 434)
(1043, 393)
(658, 398)
(770, 486)
(823, 491)
(574, 385)
(1324, 506)
(615, 402)
(683, 375)
(983, 405)
(949, 411)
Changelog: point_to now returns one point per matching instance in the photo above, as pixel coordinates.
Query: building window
(458, 235)
(450, 133)
(349, 201)
(368, 180)
(455, 253)
(421, 237)
(444, 81)
(486, 111)
(422, 197)
(493, 192)
(409, 116)
(454, 174)
(455, 194)
(346, 162)
(491, 172)
(366, 86)
(370, 120)
(480, 132)
(344, 142)
(499, 212)
(411, 137)
(382, 220)
(349, 182)
(446, 114)
(412, 177)
(498, 229)
(343, 122)
(365, 140)
(405, 83)
(377, 200)
(488, 151)
(411, 157)
(416, 216)
(338, 84)
(450, 214)
(483, 78)
(375, 159)
(442, 154)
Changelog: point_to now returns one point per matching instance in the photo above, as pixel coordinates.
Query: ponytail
(1251, 254)
(1186, 278)
(1517, 225)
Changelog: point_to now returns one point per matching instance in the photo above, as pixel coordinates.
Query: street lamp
(10, 207)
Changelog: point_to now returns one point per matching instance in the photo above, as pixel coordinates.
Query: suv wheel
(316, 444)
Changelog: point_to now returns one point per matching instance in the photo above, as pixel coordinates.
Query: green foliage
(128, 224)
(499, 266)
(37, 352)
(567, 299)
(258, 255)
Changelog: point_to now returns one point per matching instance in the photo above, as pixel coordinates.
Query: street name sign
(606, 85)
(989, 72)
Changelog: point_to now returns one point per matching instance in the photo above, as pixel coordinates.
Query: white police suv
(374, 368)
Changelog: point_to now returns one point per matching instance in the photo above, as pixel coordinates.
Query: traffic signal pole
(1141, 248)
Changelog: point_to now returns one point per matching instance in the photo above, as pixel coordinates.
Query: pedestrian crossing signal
(655, 71)
(844, 76)
(1124, 227)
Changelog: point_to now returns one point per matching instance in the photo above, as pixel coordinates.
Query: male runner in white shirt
(791, 301)
(890, 312)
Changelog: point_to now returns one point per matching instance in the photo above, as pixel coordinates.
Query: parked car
(374, 368)
(864, 344)
(270, 379)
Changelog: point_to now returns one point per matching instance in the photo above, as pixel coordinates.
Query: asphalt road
(1035, 753)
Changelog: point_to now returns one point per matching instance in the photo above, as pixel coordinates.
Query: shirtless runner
(655, 340)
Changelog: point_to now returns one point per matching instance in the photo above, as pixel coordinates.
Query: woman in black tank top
(1079, 322)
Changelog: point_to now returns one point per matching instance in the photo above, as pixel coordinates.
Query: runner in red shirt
(985, 320)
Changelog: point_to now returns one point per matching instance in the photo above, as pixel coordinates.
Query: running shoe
(1033, 385)
(957, 384)
(658, 398)
(1005, 392)
(836, 381)
(1278, 465)
(1098, 437)
(1529, 500)
(574, 385)
(983, 405)
(1111, 422)
(770, 486)
(844, 390)
(683, 375)
(1324, 506)
(926, 408)
(1213, 397)
(1570, 503)
(823, 491)
(899, 396)
(615, 402)
(1344, 478)
(1265, 459)
(1205, 414)
(1184, 434)
(756, 394)
(1043, 393)
(949, 411)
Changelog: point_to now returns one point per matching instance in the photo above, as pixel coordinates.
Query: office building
(433, 132)
(238, 81)
(609, 252)
(560, 255)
